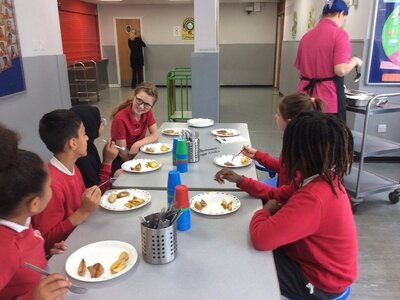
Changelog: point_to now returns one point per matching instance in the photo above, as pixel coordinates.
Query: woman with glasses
(131, 120)
(93, 170)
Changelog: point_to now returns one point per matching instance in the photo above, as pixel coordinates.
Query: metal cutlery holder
(159, 246)
(193, 150)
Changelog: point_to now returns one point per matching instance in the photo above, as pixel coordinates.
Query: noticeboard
(384, 56)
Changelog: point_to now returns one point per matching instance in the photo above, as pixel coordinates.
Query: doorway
(123, 28)
(280, 23)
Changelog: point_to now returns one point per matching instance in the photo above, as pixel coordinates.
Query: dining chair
(342, 296)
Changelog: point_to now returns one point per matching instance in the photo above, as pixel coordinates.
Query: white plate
(172, 131)
(214, 207)
(200, 122)
(225, 132)
(104, 252)
(119, 204)
(156, 147)
(221, 160)
(126, 166)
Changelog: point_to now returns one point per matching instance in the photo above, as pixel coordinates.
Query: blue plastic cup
(174, 147)
(183, 223)
(174, 179)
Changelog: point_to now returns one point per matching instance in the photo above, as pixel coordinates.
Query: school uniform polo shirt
(126, 127)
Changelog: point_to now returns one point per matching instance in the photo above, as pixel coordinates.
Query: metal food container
(193, 150)
(358, 98)
(159, 246)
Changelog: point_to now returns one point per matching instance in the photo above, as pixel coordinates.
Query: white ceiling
(124, 2)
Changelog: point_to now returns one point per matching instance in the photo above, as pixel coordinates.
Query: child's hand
(58, 248)
(91, 199)
(135, 148)
(109, 152)
(273, 206)
(229, 175)
(248, 151)
(53, 287)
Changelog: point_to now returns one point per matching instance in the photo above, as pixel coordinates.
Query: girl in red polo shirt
(25, 191)
(131, 120)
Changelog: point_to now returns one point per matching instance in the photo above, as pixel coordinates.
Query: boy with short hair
(63, 133)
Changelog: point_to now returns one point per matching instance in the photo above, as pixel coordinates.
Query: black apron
(339, 84)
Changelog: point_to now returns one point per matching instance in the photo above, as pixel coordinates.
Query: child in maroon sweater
(25, 191)
(313, 235)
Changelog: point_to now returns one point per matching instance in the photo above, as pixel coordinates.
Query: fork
(72, 288)
(116, 146)
(236, 155)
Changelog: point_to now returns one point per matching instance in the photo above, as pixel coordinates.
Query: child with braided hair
(288, 108)
(313, 235)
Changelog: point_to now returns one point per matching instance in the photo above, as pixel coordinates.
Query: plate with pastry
(214, 203)
(225, 132)
(200, 122)
(122, 200)
(237, 162)
(101, 261)
(141, 165)
(172, 131)
(156, 148)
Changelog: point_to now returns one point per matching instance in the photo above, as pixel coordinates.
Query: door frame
(116, 43)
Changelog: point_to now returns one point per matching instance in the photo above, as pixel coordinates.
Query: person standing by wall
(136, 45)
(323, 59)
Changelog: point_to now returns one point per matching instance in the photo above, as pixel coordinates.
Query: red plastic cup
(181, 196)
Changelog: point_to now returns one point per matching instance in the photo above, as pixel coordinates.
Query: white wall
(236, 26)
(357, 22)
(38, 27)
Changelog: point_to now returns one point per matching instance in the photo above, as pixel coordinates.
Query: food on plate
(120, 264)
(150, 149)
(164, 148)
(224, 132)
(228, 164)
(82, 268)
(169, 131)
(137, 168)
(244, 160)
(227, 205)
(200, 204)
(152, 164)
(96, 270)
(112, 198)
(136, 201)
(123, 194)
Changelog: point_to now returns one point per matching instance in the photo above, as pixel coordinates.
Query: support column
(205, 60)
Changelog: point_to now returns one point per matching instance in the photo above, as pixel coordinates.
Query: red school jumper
(16, 280)
(67, 190)
(316, 230)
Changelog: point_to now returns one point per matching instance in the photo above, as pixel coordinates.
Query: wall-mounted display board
(11, 72)
(384, 56)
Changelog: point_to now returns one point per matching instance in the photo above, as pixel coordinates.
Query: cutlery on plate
(234, 156)
(116, 146)
(72, 288)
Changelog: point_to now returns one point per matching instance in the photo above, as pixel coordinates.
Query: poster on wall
(384, 57)
(11, 71)
(188, 28)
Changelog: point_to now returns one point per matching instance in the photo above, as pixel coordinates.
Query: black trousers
(292, 281)
(137, 76)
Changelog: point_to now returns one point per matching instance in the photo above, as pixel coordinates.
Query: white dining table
(215, 258)
(200, 174)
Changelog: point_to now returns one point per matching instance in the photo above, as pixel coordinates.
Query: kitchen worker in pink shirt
(324, 58)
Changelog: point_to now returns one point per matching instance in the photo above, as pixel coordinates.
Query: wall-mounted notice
(384, 57)
(11, 72)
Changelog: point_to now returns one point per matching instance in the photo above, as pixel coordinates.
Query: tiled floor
(378, 222)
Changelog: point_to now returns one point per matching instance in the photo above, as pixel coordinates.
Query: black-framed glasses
(141, 102)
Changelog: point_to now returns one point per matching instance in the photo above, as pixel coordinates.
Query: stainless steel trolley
(362, 183)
